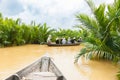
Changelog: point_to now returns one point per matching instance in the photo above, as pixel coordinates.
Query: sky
(56, 13)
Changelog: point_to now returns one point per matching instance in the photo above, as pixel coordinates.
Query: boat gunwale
(36, 62)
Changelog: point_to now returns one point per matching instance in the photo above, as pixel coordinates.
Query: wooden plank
(54, 69)
(27, 70)
(44, 64)
(31, 68)
(13, 77)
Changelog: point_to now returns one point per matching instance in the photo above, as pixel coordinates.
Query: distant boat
(42, 69)
(72, 44)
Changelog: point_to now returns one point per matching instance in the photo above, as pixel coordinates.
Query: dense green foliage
(118, 75)
(15, 32)
(103, 32)
(66, 33)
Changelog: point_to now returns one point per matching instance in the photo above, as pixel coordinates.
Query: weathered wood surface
(54, 69)
(41, 76)
(45, 62)
(35, 71)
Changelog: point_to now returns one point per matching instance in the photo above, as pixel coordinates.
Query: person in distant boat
(73, 40)
(69, 40)
(80, 39)
(60, 40)
(57, 41)
(49, 39)
(64, 41)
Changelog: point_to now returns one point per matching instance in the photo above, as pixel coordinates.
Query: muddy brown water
(13, 59)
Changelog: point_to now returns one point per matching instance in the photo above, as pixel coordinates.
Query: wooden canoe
(72, 44)
(33, 72)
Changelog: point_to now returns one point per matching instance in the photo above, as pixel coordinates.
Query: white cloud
(53, 12)
(97, 2)
(11, 7)
(57, 13)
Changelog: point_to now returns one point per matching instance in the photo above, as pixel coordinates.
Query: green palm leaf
(103, 37)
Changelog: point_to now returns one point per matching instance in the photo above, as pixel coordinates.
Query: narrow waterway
(13, 59)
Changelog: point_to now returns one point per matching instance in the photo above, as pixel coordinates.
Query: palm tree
(40, 33)
(44, 32)
(103, 40)
(66, 33)
(14, 32)
(118, 75)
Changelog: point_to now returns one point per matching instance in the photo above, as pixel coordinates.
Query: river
(13, 59)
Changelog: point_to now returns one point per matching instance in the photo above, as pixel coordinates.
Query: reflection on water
(15, 58)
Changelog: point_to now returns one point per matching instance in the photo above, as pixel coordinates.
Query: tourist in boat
(60, 40)
(49, 39)
(64, 41)
(57, 41)
(69, 41)
(80, 39)
(73, 40)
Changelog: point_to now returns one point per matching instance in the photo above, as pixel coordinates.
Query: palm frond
(103, 29)
(82, 52)
(118, 75)
(87, 21)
